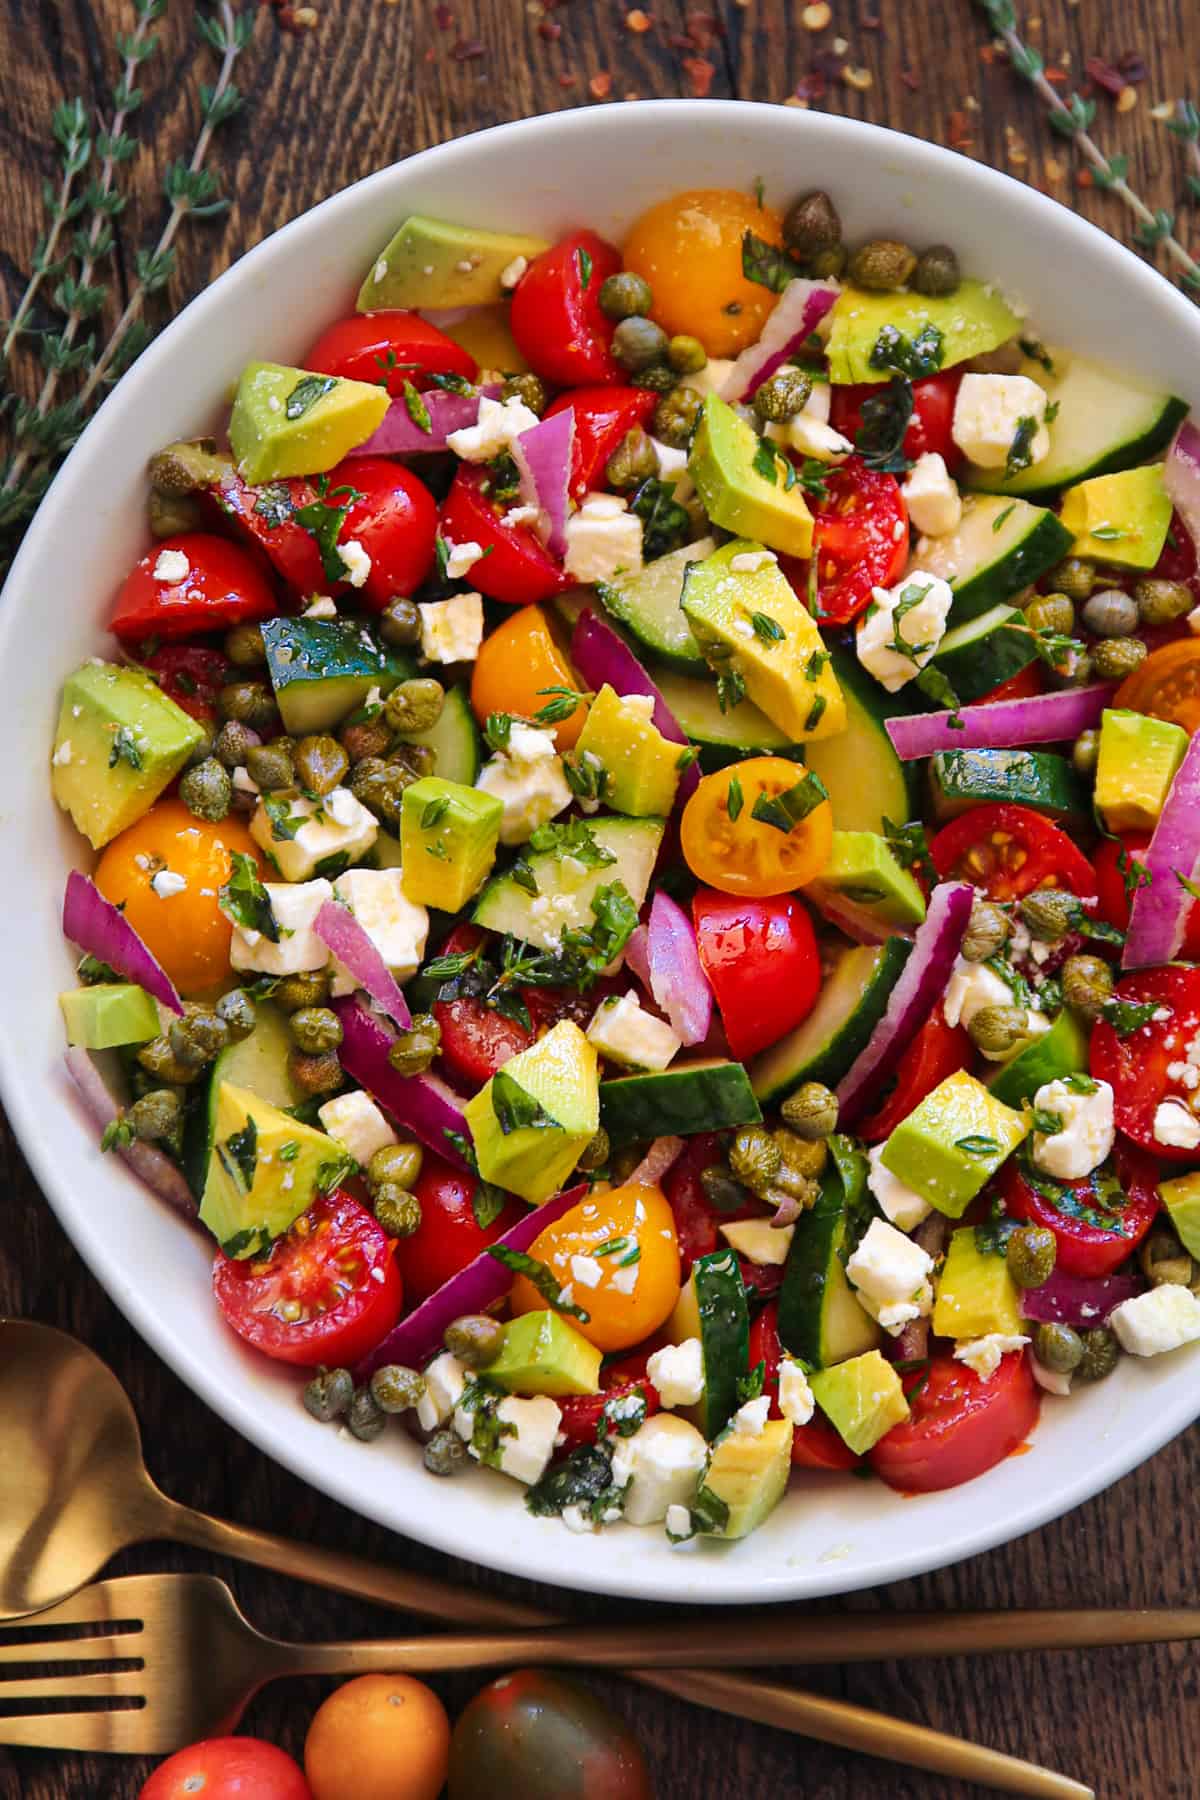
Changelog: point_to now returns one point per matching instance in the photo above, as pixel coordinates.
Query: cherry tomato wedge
(518, 662)
(959, 1426)
(315, 1297)
(603, 416)
(391, 347)
(937, 1050)
(760, 957)
(223, 586)
(229, 1768)
(263, 517)
(395, 520)
(815, 1445)
(191, 675)
(517, 568)
(1093, 1238)
(1022, 686)
(1008, 851)
(556, 319)
(697, 1222)
(582, 1413)
(727, 847)
(1114, 859)
(449, 1235)
(476, 1039)
(1138, 1065)
(1166, 685)
(860, 541)
(932, 415)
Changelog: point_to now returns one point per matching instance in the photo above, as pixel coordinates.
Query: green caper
(937, 271)
(782, 395)
(320, 763)
(413, 760)
(244, 646)
(1050, 913)
(239, 1013)
(828, 265)
(1074, 578)
(811, 224)
(365, 1418)
(234, 743)
(159, 1060)
(170, 515)
(250, 703)
(633, 461)
(328, 1394)
(1164, 1261)
(1087, 982)
(675, 416)
(1085, 752)
(315, 1029)
(1101, 1354)
(396, 1389)
(801, 1159)
(415, 705)
(206, 790)
(1111, 614)
(398, 1211)
(188, 467)
(595, 1153)
(369, 737)
(638, 342)
(987, 931)
(315, 1075)
(721, 1190)
(686, 355)
(1058, 1347)
(271, 766)
(379, 786)
(1115, 658)
(1051, 612)
(203, 1028)
(400, 622)
(188, 1049)
(1159, 602)
(529, 389)
(413, 1051)
(399, 1164)
(476, 1339)
(998, 1029)
(882, 265)
(754, 1157)
(446, 1454)
(790, 1189)
(625, 295)
(656, 378)
(310, 988)
(1031, 1252)
(812, 1111)
(156, 1117)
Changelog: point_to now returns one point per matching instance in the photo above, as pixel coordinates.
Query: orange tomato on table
(638, 1272)
(689, 248)
(381, 1737)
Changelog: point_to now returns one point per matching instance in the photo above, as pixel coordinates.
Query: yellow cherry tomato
(689, 248)
(727, 848)
(516, 663)
(187, 931)
(632, 1298)
(381, 1737)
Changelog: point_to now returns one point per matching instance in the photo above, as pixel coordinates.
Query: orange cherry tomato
(727, 848)
(380, 1737)
(621, 1312)
(516, 664)
(1166, 685)
(689, 249)
(187, 932)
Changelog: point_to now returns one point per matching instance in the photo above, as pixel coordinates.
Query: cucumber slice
(1104, 422)
(454, 740)
(1000, 547)
(864, 778)
(721, 737)
(647, 604)
(852, 1001)
(676, 1102)
(820, 1320)
(977, 656)
(564, 895)
(322, 669)
(260, 1063)
(960, 779)
(724, 1322)
(1063, 1050)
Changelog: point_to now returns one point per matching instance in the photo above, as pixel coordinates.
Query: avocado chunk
(537, 1114)
(975, 1292)
(743, 482)
(1135, 768)
(448, 838)
(431, 263)
(641, 765)
(864, 887)
(1181, 1197)
(862, 1399)
(264, 1170)
(1121, 519)
(951, 1145)
(745, 612)
(1063, 1050)
(971, 320)
(322, 669)
(119, 742)
(108, 1015)
(294, 422)
(747, 1476)
(542, 1353)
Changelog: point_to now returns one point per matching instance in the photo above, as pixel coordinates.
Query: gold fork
(177, 1661)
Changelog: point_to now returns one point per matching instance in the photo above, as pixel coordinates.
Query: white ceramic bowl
(600, 167)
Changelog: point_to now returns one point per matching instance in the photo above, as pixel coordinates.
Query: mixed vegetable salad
(648, 821)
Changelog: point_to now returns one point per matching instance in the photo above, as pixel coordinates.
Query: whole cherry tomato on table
(1117, 861)
(603, 416)
(389, 346)
(379, 1737)
(1138, 1063)
(223, 585)
(932, 415)
(228, 1768)
(1095, 1229)
(556, 318)
(937, 1050)
(517, 568)
(815, 1445)
(1009, 851)
(449, 1235)
(760, 957)
(959, 1427)
(726, 847)
(544, 1737)
(191, 675)
(860, 541)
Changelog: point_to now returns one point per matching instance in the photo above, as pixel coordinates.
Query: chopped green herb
(1000, 517)
(245, 900)
(977, 1144)
(585, 267)
(497, 730)
(124, 749)
(1128, 1016)
(785, 811)
(239, 1155)
(284, 825)
(1020, 451)
(765, 462)
(915, 357)
(909, 844)
(487, 1203)
(767, 264)
(560, 706)
(434, 812)
(540, 1277)
(665, 523)
(306, 393)
(1047, 1122)
(885, 419)
(734, 798)
(766, 629)
(731, 690)
(274, 505)
(416, 408)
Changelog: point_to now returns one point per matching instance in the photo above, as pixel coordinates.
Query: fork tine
(133, 1732)
(120, 1600)
(111, 1647)
(88, 1684)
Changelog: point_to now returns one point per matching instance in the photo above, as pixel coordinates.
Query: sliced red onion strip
(795, 316)
(600, 656)
(637, 954)
(1079, 1300)
(1181, 477)
(1000, 724)
(337, 926)
(154, 1169)
(423, 1104)
(855, 921)
(920, 986)
(400, 435)
(101, 929)
(677, 980)
(543, 456)
(1159, 914)
(662, 1155)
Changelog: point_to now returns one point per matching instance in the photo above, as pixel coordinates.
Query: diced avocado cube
(863, 886)
(1181, 1197)
(748, 1473)
(740, 601)
(742, 482)
(971, 320)
(975, 1292)
(642, 766)
(295, 422)
(119, 742)
(431, 263)
(1120, 519)
(759, 1241)
(108, 1015)
(862, 1399)
(1135, 768)
(448, 838)
(554, 1085)
(265, 1168)
(542, 1353)
(322, 669)
(951, 1145)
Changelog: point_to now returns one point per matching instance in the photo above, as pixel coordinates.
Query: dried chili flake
(703, 29)
(600, 86)
(443, 17)
(1132, 66)
(813, 86)
(910, 79)
(1056, 77)
(567, 78)
(550, 29)
(467, 49)
(1084, 179)
(957, 135)
(1104, 75)
(700, 72)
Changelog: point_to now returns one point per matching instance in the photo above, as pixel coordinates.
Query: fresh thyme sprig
(63, 204)
(1186, 125)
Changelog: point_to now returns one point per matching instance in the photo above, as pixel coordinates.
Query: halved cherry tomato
(229, 1768)
(1022, 686)
(1113, 859)
(619, 1316)
(603, 415)
(1137, 1064)
(932, 416)
(1008, 851)
(1166, 685)
(697, 1222)
(725, 846)
(517, 663)
(620, 1375)
(689, 248)
(937, 1050)
(263, 516)
(860, 541)
(556, 317)
(1086, 1247)
(517, 567)
(189, 674)
(815, 1445)
(223, 586)
(760, 957)
(315, 1296)
(394, 518)
(391, 347)
(476, 1039)
(449, 1235)
(960, 1426)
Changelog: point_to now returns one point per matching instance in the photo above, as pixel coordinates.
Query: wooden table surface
(368, 84)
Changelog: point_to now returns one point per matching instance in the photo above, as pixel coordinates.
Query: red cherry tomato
(582, 1413)
(697, 1222)
(1022, 686)
(476, 1039)
(959, 1427)
(228, 1768)
(760, 957)
(391, 347)
(1113, 859)
(517, 567)
(449, 1236)
(937, 1050)
(191, 675)
(603, 415)
(262, 517)
(1137, 1064)
(556, 319)
(324, 1266)
(1068, 1209)
(860, 541)
(815, 1445)
(932, 417)
(223, 586)
(395, 520)
(1008, 851)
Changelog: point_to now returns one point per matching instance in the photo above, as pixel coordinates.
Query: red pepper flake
(813, 86)
(1056, 77)
(443, 18)
(550, 29)
(700, 72)
(600, 86)
(829, 63)
(1105, 76)
(1084, 179)
(703, 29)
(1132, 66)
(910, 79)
(567, 78)
(468, 49)
(871, 22)
(957, 135)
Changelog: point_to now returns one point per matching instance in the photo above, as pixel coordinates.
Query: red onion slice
(337, 926)
(1181, 477)
(1000, 724)
(100, 928)
(1159, 914)
(1079, 1300)
(795, 316)
(600, 656)
(423, 1104)
(154, 1169)
(400, 435)
(677, 980)
(637, 955)
(543, 455)
(662, 1156)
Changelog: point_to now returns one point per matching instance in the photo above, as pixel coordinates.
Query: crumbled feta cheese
(356, 1123)
(603, 539)
(679, 1521)
(356, 560)
(677, 1371)
(912, 614)
(971, 987)
(662, 1463)
(335, 824)
(380, 270)
(811, 437)
(795, 1395)
(530, 786)
(294, 908)
(626, 1033)
(586, 1271)
(751, 1417)
(172, 566)
(899, 1203)
(983, 1354)
(890, 1275)
(460, 558)
(396, 925)
(1087, 1130)
(340, 805)
(625, 1280)
(452, 630)
(1176, 1126)
(573, 1516)
(933, 501)
(747, 562)
(321, 606)
(671, 460)
(1163, 1319)
(498, 424)
(62, 755)
(530, 743)
(445, 1379)
(987, 413)
(512, 272)
(526, 1454)
(166, 884)
(520, 515)
(711, 378)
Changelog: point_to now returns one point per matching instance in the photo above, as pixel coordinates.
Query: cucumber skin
(831, 1063)
(724, 1335)
(1046, 544)
(814, 1257)
(1122, 456)
(633, 1107)
(1035, 778)
(975, 668)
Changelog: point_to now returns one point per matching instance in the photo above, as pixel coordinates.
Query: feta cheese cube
(626, 1033)
(711, 378)
(751, 1417)
(812, 437)
(795, 1396)
(336, 824)
(662, 1462)
(913, 615)
(1087, 1130)
(452, 630)
(321, 606)
(988, 411)
(530, 743)
(461, 558)
(294, 908)
(526, 1454)
(356, 1123)
(357, 561)
(445, 1379)
(933, 501)
(671, 460)
(1176, 1126)
(902, 1205)
(677, 1371)
(530, 787)
(1051, 1381)
(983, 1354)
(890, 1275)
(395, 925)
(172, 566)
(971, 987)
(498, 424)
(603, 539)
(1163, 1319)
